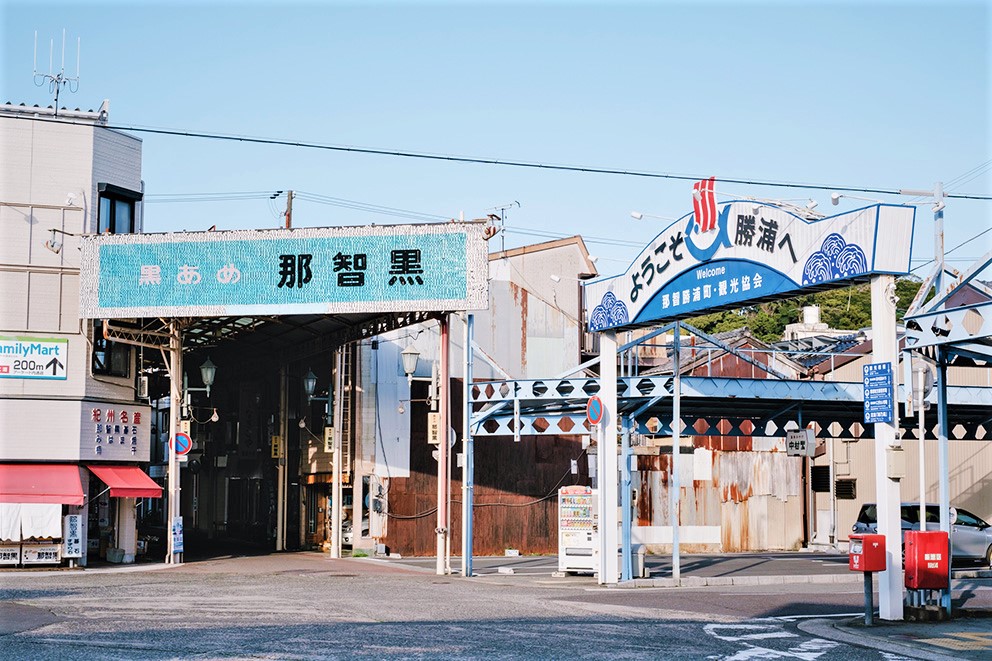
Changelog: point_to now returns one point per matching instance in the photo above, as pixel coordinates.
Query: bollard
(640, 570)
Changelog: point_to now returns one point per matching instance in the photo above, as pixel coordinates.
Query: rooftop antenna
(501, 216)
(56, 81)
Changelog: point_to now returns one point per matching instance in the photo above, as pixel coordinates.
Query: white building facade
(72, 430)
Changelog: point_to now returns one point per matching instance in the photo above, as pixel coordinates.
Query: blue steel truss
(716, 406)
(722, 406)
(957, 321)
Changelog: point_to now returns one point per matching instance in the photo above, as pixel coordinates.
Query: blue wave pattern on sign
(350, 269)
(835, 259)
(609, 313)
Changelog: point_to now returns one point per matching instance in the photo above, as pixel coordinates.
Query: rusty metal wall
(753, 492)
(516, 485)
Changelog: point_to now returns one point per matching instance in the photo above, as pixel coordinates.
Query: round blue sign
(594, 410)
(182, 443)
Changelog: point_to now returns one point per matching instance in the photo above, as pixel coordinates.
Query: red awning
(40, 483)
(127, 481)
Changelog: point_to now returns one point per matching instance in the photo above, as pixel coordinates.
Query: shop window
(116, 209)
(109, 358)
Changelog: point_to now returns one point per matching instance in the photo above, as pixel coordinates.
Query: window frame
(109, 349)
(107, 221)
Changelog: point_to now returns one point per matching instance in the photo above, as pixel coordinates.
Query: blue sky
(877, 94)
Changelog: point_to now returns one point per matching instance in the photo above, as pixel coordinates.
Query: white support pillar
(609, 475)
(340, 437)
(127, 528)
(468, 449)
(885, 350)
(175, 379)
(443, 464)
(674, 484)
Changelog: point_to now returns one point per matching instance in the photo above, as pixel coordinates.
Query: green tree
(848, 308)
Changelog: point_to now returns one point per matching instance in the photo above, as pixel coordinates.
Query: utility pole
(289, 209)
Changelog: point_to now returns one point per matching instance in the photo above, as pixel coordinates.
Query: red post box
(928, 560)
(866, 553)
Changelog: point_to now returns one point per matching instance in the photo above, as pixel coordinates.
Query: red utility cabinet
(927, 560)
(866, 553)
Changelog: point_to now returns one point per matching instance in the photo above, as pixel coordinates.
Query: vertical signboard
(177, 535)
(434, 428)
(878, 392)
(72, 536)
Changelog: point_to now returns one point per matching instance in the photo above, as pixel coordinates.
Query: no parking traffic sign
(594, 410)
(182, 443)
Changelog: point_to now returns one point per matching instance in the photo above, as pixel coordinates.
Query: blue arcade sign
(333, 270)
(746, 252)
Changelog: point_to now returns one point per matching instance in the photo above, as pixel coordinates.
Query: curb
(727, 581)
(831, 630)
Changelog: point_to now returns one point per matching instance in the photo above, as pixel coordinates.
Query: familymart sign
(33, 357)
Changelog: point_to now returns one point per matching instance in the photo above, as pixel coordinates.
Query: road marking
(793, 618)
(808, 650)
(769, 631)
(963, 641)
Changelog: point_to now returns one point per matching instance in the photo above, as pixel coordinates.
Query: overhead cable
(494, 161)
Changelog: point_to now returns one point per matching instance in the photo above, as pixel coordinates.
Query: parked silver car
(971, 537)
(348, 533)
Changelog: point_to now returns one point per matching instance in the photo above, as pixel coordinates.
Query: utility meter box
(928, 560)
(866, 553)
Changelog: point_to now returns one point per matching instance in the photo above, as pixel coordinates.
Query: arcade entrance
(261, 454)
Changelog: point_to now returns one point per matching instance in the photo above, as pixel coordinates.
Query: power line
(960, 245)
(167, 198)
(493, 161)
(371, 208)
(512, 229)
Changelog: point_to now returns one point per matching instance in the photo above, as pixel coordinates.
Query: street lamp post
(309, 387)
(208, 371)
(409, 356)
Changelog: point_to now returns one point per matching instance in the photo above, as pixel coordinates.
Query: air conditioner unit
(142, 387)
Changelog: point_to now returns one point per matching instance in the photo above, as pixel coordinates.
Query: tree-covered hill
(848, 308)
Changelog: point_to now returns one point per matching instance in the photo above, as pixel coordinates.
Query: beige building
(72, 431)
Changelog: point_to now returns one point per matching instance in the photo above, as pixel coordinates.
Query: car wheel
(988, 557)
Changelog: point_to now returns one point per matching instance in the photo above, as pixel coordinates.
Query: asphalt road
(306, 606)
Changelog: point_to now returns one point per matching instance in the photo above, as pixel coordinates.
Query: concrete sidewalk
(967, 636)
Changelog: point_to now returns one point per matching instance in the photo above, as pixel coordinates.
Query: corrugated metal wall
(753, 492)
(516, 504)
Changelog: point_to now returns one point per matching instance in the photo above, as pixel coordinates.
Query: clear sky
(874, 94)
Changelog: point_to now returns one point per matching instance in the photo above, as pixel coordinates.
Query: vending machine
(578, 529)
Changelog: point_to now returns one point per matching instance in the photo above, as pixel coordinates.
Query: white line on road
(759, 631)
(793, 618)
